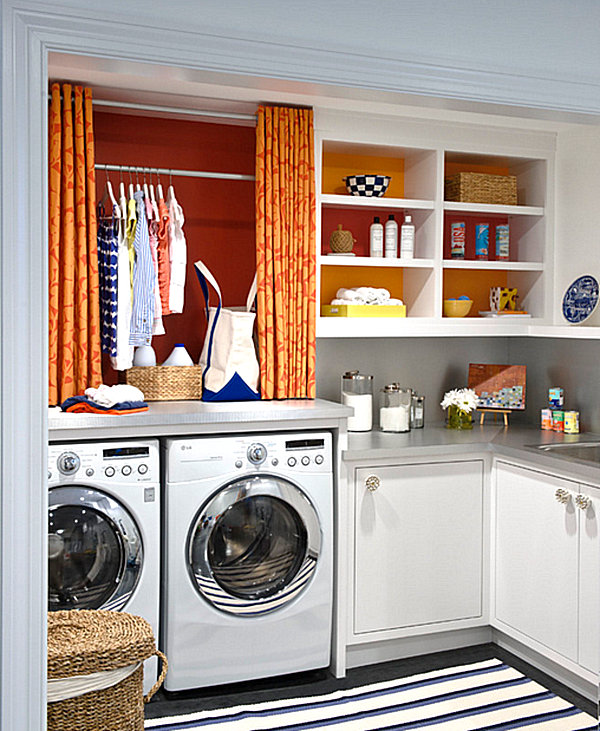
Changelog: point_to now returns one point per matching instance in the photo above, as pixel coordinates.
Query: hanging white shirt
(124, 356)
(177, 252)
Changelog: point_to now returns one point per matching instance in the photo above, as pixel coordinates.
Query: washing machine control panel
(119, 462)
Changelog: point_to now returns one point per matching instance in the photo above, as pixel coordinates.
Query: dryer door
(95, 551)
(254, 546)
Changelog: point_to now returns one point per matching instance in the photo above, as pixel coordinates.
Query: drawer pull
(583, 502)
(372, 483)
(563, 496)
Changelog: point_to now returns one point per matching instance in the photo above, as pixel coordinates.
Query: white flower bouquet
(464, 398)
(460, 402)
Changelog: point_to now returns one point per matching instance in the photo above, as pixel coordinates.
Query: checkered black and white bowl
(370, 185)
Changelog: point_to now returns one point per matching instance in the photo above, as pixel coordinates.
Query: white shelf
(513, 266)
(332, 200)
(494, 209)
(578, 332)
(375, 261)
(411, 327)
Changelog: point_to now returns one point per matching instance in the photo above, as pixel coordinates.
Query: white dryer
(249, 557)
(104, 530)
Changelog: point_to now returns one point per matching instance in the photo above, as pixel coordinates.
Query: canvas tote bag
(230, 370)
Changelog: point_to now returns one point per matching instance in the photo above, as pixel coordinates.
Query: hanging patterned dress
(108, 228)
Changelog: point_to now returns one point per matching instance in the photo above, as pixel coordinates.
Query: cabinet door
(589, 581)
(536, 557)
(418, 545)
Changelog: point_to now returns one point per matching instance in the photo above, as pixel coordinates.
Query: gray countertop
(193, 417)
(516, 442)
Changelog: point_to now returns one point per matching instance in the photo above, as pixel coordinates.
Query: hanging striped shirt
(142, 312)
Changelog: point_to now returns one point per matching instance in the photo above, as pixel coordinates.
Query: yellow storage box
(363, 310)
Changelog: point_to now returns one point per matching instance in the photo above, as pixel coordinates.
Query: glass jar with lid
(394, 410)
(417, 412)
(357, 392)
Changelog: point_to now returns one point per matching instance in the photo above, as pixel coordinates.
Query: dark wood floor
(321, 681)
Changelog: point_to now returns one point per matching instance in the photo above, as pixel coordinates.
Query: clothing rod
(171, 110)
(178, 173)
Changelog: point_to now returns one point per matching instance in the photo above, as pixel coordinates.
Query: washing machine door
(254, 546)
(95, 552)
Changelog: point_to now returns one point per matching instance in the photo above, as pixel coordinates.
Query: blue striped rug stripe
(413, 702)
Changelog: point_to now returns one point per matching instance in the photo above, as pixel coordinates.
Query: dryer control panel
(209, 457)
(107, 462)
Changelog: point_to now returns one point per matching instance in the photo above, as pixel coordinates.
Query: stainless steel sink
(585, 451)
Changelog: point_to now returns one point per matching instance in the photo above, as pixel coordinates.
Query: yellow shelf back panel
(475, 284)
(336, 166)
(334, 277)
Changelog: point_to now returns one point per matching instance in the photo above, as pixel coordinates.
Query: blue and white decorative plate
(580, 299)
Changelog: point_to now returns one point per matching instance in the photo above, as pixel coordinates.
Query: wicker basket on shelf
(106, 650)
(166, 383)
(481, 188)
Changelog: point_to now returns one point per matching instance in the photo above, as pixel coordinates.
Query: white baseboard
(583, 686)
(374, 652)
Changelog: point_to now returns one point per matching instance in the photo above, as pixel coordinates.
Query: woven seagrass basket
(166, 383)
(87, 641)
(481, 188)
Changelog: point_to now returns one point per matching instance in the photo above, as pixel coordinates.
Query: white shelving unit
(430, 277)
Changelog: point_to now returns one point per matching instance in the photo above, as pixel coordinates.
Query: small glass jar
(394, 411)
(357, 392)
(417, 412)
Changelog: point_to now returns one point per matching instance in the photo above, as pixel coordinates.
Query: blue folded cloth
(81, 404)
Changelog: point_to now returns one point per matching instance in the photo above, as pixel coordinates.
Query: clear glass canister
(357, 392)
(417, 412)
(394, 411)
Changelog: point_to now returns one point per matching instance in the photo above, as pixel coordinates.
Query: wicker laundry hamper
(110, 645)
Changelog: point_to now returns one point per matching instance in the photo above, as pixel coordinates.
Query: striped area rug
(483, 695)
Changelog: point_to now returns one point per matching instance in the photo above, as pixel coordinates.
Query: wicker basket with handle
(481, 188)
(166, 383)
(89, 647)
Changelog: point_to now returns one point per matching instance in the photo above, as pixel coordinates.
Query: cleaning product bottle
(376, 238)
(407, 238)
(391, 238)
(179, 356)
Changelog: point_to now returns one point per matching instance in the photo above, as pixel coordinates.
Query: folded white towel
(111, 395)
(350, 295)
(393, 301)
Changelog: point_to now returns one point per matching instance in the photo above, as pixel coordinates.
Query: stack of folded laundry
(364, 296)
(121, 399)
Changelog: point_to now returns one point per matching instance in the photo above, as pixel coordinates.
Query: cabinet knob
(372, 483)
(583, 502)
(563, 496)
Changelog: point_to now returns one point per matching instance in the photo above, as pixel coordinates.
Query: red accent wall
(219, 214)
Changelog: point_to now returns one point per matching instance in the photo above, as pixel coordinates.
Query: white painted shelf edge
(374, 261)
(357, 201)
(386, 327)
(577, 332)
(515, 266)
(491, 208)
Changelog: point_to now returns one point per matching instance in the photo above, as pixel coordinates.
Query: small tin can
(457, 240)
(546, 419)
(558, 420)
(502, 242)
(482, 240)
(571, 422)
(556, 398)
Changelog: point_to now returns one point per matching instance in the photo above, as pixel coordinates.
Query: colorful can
(502, 242)
(457, 240)
(556, 398)
(558, 420)
(482, 240)
(571, 422)
(546, 419)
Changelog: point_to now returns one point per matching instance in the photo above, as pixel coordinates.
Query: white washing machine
(249, 557)
(104, 530)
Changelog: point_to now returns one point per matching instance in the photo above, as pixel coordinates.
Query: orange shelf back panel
(475, 284)
(334, 277)
(336, 166)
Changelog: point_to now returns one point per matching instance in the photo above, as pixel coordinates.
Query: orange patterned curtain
(74, 328)
(285, 251)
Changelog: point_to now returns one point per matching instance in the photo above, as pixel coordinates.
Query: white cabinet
(418, 544)
(547, 562)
